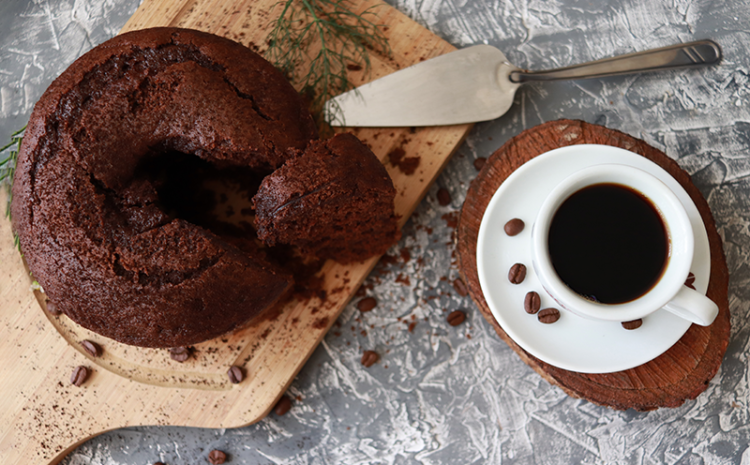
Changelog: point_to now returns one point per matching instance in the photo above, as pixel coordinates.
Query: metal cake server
(478, 84)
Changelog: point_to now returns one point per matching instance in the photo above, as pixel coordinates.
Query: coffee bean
(514, 227)
(690, 281)
(235, 374)
(630, 325)
(367, 304)
(460, 287)
(217, 457)
(91, 348)
(443, 196)
(52, 308)
(548, 315)
(517, 273)
(479, 163)
(79, 376)
(283, 405)
(179, 354)
(456, 318)
(370, 358)
(532, 302)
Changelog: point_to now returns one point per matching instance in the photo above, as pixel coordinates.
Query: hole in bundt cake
(197, 191)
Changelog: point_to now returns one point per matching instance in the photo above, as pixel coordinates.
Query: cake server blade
(478, 84)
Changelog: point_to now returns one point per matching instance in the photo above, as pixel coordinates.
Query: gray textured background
(444, 395)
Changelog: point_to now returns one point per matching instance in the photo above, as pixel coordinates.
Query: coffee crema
(608, 243)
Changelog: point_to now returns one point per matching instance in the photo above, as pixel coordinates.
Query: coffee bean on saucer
(179, 354)
(690, 281)
(235, 374)
(514, 227)
(367, 304)
(79, 376)
(517, 273)
(548, 315)
(630, 325)
(370, 358)
(217, 457)
(283, 405)
(455, 318)
(532, 302)
(91, 348)
(443, 196)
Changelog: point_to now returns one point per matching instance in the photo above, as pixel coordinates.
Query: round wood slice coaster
(682, 372)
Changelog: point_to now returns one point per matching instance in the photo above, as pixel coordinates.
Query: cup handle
(693, 306)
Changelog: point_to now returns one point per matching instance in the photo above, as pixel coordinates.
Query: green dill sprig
(8, 169)
(315, 43)
(8, 164)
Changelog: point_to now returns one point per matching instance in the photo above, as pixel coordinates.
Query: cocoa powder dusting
(321, 323)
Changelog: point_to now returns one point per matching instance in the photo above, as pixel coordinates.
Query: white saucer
(572, 343)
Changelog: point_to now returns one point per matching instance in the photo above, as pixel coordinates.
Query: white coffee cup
(669, 292)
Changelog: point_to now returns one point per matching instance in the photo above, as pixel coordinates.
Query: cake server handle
(692, 54)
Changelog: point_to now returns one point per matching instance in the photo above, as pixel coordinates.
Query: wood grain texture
(44, 416)
(681, 373)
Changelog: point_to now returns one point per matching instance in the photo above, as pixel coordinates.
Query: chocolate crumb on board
(179, 354)
(631, 325)
(548, 315)
(217, 457)
(367, 304)
(52, 308)
(532, 302)
(79, 376)
(407, 165)
(235, 374)
(456, 317)
(320, 323)
(514, 227)
(370, 358)
(517, 273)
(283, 405)
(91, 348)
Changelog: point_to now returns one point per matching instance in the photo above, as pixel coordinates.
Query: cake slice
(335, 200)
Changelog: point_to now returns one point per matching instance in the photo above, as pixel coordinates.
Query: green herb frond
(9, 154)
(340, 40)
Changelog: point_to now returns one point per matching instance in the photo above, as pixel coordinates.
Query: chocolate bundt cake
(89, 217)
(334, 201)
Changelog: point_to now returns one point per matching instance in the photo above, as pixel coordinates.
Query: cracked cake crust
(91, 227)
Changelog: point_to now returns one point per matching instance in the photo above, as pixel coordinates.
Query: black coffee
(608, 243)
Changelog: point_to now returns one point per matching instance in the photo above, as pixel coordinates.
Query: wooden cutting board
(44, 416)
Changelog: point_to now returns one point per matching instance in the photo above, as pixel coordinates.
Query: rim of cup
(674, 217)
